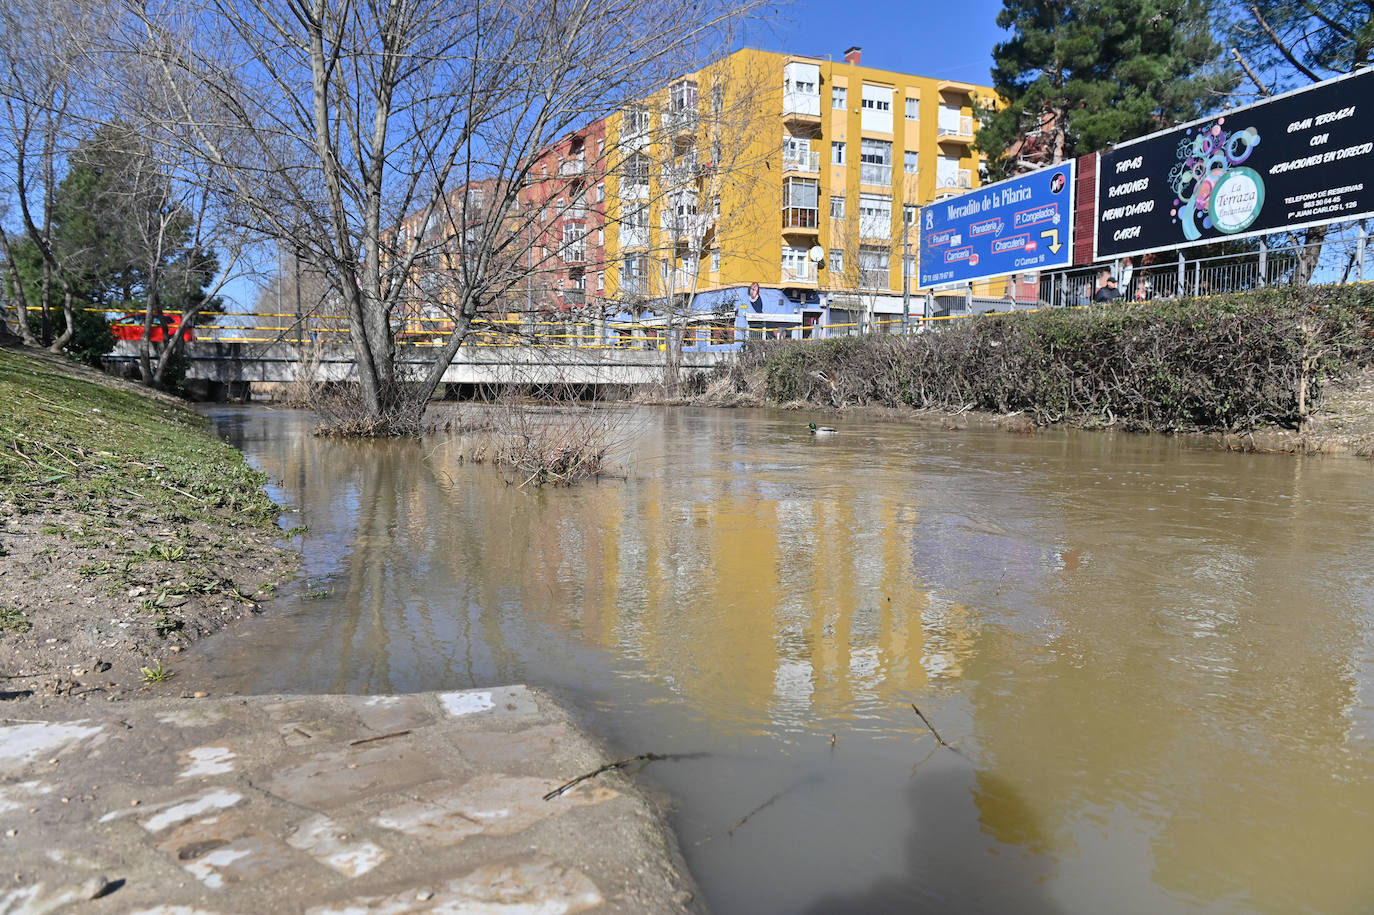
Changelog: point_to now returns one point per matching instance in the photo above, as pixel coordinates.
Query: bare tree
(330, 122)
(866, 244)
(1280, 44)
(46, 53)
(714, 142)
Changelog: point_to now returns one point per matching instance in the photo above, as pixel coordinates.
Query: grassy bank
(127, 528)
(1223, 363)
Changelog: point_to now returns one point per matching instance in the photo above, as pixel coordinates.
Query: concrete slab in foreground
(324, 804)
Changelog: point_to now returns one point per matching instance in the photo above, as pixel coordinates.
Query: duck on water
(821, 430)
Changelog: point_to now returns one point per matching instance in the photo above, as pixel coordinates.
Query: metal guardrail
(1343, 260)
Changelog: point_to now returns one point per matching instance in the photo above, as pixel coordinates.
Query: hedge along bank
(1230, 363)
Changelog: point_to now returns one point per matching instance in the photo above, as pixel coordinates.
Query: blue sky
(950, 39)
(946, 39)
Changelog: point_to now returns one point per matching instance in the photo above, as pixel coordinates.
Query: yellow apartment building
(801, 174)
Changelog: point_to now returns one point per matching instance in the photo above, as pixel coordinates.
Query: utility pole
(906, 275)
(296, 269)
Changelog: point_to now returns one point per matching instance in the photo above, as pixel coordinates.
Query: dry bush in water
(344, 411)
(551, 438)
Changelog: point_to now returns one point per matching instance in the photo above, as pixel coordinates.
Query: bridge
(240, 369)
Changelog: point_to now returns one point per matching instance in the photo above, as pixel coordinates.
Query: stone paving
(431, 802)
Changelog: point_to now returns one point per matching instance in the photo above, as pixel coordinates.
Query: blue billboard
(1019, 225)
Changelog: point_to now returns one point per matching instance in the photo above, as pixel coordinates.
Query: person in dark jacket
(1106, 287)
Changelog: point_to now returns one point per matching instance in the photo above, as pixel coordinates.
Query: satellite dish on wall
(817, 254)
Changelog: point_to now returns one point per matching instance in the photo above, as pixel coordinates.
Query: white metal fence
(1343, 257)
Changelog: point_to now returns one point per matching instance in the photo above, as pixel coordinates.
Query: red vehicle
(130, 327)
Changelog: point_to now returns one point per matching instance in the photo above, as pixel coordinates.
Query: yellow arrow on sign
(1053, 236)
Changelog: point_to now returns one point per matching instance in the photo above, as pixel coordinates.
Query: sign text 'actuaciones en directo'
(1301, 159)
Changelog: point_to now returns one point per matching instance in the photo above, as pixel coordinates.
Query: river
(1153, 663)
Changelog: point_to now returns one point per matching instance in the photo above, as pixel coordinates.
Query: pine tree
(125, 244)
(1077, 76)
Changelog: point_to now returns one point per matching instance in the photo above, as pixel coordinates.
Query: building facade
(800, 174)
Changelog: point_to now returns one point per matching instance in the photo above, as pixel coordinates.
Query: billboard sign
(1019, 225)
(1301, 159)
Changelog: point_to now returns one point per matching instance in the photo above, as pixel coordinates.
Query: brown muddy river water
(1156, 661)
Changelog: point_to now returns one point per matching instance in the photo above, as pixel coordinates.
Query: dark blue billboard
(1301, 159)
(1019, 225)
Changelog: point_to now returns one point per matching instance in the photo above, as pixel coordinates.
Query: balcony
(574, 296)
(572, 166)
(875, 174)
(804, 219)
(634, 236)
(684, 173)
(954, 178)
(801, 107)
(574, 254)
(805, 161)
(873, 278)
(804, 273)
(950, 131)
(634, 187)
(679, 121)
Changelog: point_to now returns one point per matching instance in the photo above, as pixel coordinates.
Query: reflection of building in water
(768, 605)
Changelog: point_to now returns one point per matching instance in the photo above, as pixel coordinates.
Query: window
(795, 265)
(836, 261)
(717, 98)
(909, 161)
(715, 206)
(715, 260)
(574, 248)
(951, 120)
(796, 152)
(873, 267)
(875, 161)
(601, 236)
(600, 193)
(874, 102)
(876, 110)
(913, 109)
(875, 216)
(634, 227)
(632, 274)
(636, 171)
(836, 207)
(909, 214)
(636, 121)
(800, 199)
(682, 96)
(837, 152)
(600, 282)
(839, 97)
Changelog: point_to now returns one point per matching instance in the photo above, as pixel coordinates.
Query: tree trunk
(68, 315)
(1309, 255)
(21, 297)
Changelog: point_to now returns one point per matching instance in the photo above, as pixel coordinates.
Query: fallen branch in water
(938, 739)
(766, 804)
(618, 764)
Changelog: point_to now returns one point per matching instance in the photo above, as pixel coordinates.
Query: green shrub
(1224, 362)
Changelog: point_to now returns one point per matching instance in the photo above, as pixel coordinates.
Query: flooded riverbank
(1154, 660)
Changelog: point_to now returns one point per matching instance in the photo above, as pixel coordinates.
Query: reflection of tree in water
(952, 863)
